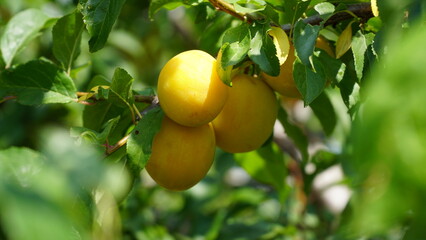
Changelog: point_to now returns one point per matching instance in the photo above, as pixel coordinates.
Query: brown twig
(361, 10)
(118, 145)
(8, 98)
(145, 99)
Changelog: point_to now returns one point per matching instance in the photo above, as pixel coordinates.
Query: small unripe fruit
(189, 89)
(181, 156)
(248, 117)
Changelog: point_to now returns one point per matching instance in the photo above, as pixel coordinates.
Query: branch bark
(361, 10)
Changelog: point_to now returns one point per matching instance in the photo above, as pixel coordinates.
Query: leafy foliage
(78, 115)
(19, 31)
(46, 83)
(100, 16)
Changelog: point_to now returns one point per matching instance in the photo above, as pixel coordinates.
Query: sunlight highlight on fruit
(189, 89)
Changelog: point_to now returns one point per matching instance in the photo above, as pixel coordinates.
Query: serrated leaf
(37, 82)
(21, 29)
(359, 46)
(281, 42)
(139, 144)
(93, 136)
(263, 53)
(67, 38)
(265, 164)
(224, 73)
(309, 83)
(305, 37)
(344, 41)
(239, 44)
(99, 17)
(295, 133)
(324, 111)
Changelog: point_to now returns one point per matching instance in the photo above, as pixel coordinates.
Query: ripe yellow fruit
(181, 156)
(284, 83)
(189, 89)
(248, 117)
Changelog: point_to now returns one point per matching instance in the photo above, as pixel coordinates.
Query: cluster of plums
(201, 112)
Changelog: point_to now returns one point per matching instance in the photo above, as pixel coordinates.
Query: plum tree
(181, 156)
(189, 89)
(248, 117)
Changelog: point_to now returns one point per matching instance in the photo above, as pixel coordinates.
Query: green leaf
(270, 13)
(324, 8)
(334, 69)
(67, 38)
(265, 165)
(374, 24)
(295, 133)
(156, 5)
(349, 88)
(294, 9)
(359, 46)
(309, 83)
(21, 29)
(94, 136)
(121, 88)
(262, 52)
(95, 116)
(305, 36)
(239, 44)
(20, 164)
(37, 82)
(100, 16)
(224, 73)
(324, 110)
(253, 7)
(139, 143)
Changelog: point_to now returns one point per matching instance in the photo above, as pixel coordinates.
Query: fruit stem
(118, 145)
(8, 98)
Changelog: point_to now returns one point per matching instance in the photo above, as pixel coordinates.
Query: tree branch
(229, 9)
(361, 10)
